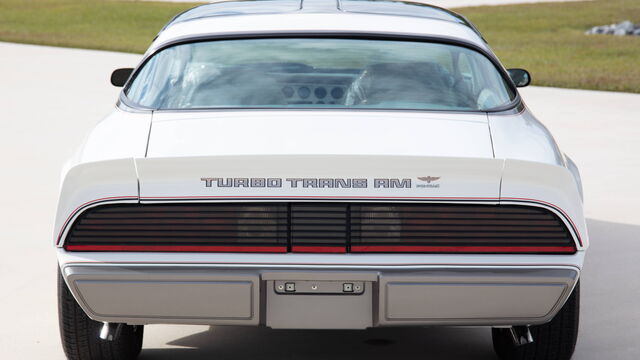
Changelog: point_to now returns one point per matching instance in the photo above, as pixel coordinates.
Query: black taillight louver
(321, 227)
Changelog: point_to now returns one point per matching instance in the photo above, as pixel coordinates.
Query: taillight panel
(321, 228)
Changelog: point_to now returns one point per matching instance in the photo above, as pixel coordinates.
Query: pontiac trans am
(320, 165)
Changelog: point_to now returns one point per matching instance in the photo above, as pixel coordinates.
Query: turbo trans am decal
(319, 183)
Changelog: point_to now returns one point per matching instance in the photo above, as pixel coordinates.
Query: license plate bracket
(309, 287)
(330, 307)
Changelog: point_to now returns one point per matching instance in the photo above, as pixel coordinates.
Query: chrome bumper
(415, 295)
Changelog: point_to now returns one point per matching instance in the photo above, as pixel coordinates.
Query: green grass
(127, 26)
(547, 39)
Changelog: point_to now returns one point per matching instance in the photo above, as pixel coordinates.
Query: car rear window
(319, 73)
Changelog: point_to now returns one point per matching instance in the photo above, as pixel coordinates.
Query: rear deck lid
(320, 155)
(319, 177)
(319, 132)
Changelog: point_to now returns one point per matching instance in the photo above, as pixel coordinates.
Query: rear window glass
(319, 72)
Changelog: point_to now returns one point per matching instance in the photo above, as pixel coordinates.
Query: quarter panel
(545, 185)
(93, 183)
(120, 135)
(523, 137)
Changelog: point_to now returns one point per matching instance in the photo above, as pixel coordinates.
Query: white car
(320, 165)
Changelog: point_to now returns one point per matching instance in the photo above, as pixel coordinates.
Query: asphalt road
(50, 98)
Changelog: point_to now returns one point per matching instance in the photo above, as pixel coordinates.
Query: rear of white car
(289, 172)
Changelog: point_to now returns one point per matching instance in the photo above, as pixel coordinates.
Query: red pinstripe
(461, 249)
(178, 248)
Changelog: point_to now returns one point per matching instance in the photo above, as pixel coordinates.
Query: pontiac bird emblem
(429, 179)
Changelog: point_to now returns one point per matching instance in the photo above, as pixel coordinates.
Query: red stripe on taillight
(319, 249)
(463, 249)
(178, 248)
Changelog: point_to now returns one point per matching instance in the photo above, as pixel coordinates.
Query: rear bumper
(393, 294)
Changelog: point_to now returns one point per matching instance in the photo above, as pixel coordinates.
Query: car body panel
(130, 130)
(331, 22)
(485, 294)
(181, 178)
(319, 133)
(549, 185)
(322, 261)
(142, 156)
(91, 184)
(523, 137)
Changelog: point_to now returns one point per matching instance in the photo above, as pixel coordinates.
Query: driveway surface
(50, 98)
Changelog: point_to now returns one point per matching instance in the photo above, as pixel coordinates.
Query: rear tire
(80, 334)
(555, 340)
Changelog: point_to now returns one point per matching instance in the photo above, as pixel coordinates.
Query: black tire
(555, 340)
(80, 334)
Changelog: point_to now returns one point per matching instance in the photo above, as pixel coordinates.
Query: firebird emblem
(429, 179)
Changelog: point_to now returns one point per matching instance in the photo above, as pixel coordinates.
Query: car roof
(268, 16)
(253, 7)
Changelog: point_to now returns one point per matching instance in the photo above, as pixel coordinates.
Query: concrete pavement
(50, 98)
